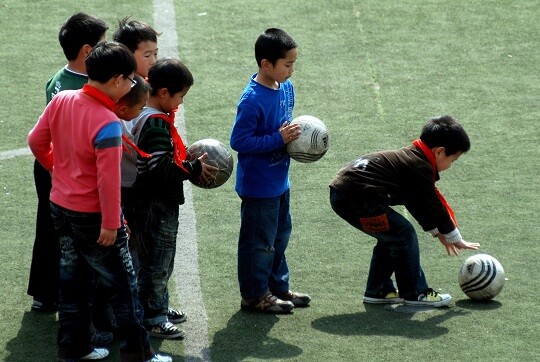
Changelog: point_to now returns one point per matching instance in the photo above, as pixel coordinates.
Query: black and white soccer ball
(218, 156)
(313, 141)
(481, 277)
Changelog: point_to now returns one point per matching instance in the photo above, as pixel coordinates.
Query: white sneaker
(96, 354)
(430, 298)
(160, 358)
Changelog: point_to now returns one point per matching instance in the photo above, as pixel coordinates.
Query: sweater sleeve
(108, 152)
(39, 141)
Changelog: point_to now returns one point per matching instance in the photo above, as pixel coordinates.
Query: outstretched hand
(209, 172)
(461, 245)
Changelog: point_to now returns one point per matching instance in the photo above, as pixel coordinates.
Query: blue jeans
(82, 259)
(396, 251)
(154, 229)
(264, 235)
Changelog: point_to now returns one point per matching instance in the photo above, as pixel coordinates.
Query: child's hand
(209, 172)
(453, 248)
(107, 237)
(290, 132)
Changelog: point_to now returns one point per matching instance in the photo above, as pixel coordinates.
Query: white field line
(186, 270)
(4, 155)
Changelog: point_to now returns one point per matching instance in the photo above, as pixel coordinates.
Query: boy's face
(443, 161)
(170, 102)
(127, 113)
(284, 67)
(145, 55)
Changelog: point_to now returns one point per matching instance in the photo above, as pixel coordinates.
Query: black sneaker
(176, 316)
(300, 300)
(102, 338)
(430, 298)
(269, 303)
(166, 330)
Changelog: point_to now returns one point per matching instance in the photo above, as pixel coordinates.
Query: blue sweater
(263, 162)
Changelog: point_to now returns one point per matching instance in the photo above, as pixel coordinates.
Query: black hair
(171, 74)
(136, 93)
(445, 131)
(78, 30)
(109, 59)
(132, 32)
(273, 44)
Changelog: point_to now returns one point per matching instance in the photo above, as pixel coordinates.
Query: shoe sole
(178, 320)
(247, 308)
(441, 303)
(181, 335)
(370, 300)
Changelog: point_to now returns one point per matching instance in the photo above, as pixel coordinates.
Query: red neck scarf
(431, 158)
(109, 103)
(179, 147)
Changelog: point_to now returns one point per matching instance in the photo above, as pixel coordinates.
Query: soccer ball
(481, 277)
(218, 156)
(313, 141)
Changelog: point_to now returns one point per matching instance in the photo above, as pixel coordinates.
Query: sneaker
(269, 303)
(166, 330)
(430, 298)
(160, 358)
(389, 298)
(96, 354)
(176, 316)
(299, 300)
(101, 338)
(38, 306)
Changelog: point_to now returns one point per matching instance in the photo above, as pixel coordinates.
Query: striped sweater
(159, 177)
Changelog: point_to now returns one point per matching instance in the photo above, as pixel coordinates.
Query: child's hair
(78, 30)
(136, 93)
(171, 74)
(445, 131)
(272, 45)
(131, 33)
(109, 59)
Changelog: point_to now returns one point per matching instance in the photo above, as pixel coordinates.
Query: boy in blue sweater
(259, 135)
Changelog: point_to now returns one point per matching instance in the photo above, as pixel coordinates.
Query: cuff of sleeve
(434, 232)
(453, 236)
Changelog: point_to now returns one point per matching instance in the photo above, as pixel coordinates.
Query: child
(85, 205)
(364, 190)
(141, 39)
(159, 192)
(259, 135)
(77, 36)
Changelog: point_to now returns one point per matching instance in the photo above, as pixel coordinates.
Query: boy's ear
(265, 63)
(162, 92)
(120, 110)
(439, 151)
(85, 50)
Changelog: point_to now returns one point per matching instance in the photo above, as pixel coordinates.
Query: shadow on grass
(478, 304)
(36, 338)
(246, 337)
(387, 321)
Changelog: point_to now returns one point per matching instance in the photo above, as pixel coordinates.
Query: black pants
(44, 269)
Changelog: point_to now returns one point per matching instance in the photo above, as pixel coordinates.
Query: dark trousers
(43, 281)
(81, 259)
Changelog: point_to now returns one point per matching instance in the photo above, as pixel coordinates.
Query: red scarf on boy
(179, 147)
(431, 158)
(109, 103)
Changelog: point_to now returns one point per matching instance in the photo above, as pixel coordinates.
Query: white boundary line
(186, 271)
(15, 153)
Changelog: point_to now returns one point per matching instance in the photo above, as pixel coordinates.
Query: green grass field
(374, 72)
